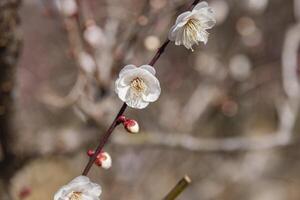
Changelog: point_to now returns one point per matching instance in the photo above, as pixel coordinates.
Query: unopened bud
(104, 160)
(90, 152)
(121, 119)
(131, 126)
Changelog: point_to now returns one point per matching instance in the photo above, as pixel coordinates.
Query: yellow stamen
(75, 196)
(191, 32)
(138, 84)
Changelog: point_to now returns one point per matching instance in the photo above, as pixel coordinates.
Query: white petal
(153, 90)
(207, 23)
(149, 68)
(87, 197)
(203, 36)
(125, 79)
(207, 12)
(200, 5)
(182, 18)
(172, 33)
(151, 97)
(135, 101)
(179, 37)
(58, 194)
(122, 92)
(126, 69)
(80, 179)
(95, 189)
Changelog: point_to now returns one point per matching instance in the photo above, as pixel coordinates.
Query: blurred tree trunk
(9, 51)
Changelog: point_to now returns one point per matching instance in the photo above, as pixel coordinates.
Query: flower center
(75, 196)
(138, 84)
(191, 31)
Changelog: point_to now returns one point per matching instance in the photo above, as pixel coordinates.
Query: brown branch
(115, 123)
(178, 189)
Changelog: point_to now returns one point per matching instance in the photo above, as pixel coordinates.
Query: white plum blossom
(94, 35)
(190, 27)
(86, 62)
(137, 86)
(80, 188)
(67, 7)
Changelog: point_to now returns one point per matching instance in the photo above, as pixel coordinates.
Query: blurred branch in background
(9, 53)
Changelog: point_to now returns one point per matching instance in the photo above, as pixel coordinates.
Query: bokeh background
(227, 115)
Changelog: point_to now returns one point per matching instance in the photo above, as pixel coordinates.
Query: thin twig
(115, 123)
(178, 189)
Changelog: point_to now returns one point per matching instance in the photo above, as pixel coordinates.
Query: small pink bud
(24, 193)
(131, 126)
(121, 119)
(104, 160)
(90, 152)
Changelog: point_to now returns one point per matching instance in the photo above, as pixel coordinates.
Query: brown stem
(104, 140)
(115, 123)
(178, 189)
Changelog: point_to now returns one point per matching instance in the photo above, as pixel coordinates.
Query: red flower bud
(90, 152)
(121, 119)
(131, 126)
(103, 160)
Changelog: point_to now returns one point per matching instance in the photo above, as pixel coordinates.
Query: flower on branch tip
(137, 86)
(94, 35)
(103, 159)
(190, 27)
(80, 188)
(67, 7)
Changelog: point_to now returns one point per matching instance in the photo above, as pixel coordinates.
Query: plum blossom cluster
(136, 86)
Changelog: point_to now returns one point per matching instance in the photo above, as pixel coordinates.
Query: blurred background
(227, 115)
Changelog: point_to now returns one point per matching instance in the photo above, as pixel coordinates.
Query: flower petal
(172, 33)
(135, 101)
(206, 22)
(149, 68)
(206, 11)
(203, 36)
(182, 18)
(200, 5)
(126, 69)
(179, 37)
(122, 92)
